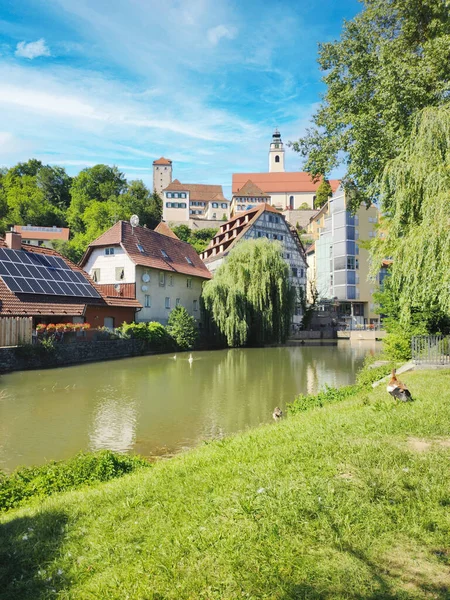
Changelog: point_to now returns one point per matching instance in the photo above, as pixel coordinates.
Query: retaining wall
(23, 358)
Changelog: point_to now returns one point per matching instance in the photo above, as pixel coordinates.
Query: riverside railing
(431, 349)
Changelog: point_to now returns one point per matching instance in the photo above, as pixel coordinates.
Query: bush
(397, 346)
(153, 333)
(182, 328)
(329, 395)
(27, 483)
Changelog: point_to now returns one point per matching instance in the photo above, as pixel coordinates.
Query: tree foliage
(324, 191)
(182, 327)
(415, 201)
(392, 60)
(250, 298)
(199, 239)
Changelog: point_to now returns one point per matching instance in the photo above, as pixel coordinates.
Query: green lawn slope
(347, 501)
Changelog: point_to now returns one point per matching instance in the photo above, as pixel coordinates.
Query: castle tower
(276, 154)
(162, 174)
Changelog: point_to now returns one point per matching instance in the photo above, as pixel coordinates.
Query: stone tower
(162, 174)
(276, 154)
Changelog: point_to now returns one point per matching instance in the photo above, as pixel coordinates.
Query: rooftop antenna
(134, 221)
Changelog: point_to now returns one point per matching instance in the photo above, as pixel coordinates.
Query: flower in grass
(261, 491)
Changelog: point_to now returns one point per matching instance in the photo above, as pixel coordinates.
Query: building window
(120, 273)
(168, 195)
(167, 302)
(259, 234)
(109, 251)
(162, 279)
(189, 260)
(175, 195)
(189, 282)
(288, 255)
(215, 205)
(95, 274)
(168, 205)
(195, 305)
(291, 199)
(294, 271)
(140, 248)
(177, 302)
(214, 216)
(171, 280)
(277, 159)
(302, 273)
(223, 205)
(147, 301)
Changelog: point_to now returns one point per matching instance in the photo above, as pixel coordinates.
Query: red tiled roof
(18, 304)
(164, 229)
(198, 191)
(233, 230)
(162, 161)
(272, 183)
(250, 189)
(152, 243)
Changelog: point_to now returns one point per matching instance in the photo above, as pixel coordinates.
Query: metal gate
(430, 349)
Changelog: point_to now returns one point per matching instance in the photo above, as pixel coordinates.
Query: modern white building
(258, 222)
(287, 190)
(154, 267)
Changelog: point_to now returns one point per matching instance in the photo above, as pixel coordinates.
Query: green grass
(351, 500)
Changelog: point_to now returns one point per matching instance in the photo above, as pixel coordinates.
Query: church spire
(276, 153)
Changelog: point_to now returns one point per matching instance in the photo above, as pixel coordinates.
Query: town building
(338, 264)
(261, 221)
(185, 201)
(35, 235)
(162, 174)
(249, 196)
(37, 282)
(287, 190)
(154, 268)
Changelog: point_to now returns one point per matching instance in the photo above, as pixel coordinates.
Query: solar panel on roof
(32, 273)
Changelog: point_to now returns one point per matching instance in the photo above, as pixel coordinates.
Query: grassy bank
(351, 500)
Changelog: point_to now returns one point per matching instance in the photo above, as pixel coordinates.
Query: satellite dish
(146, 277)
(134, 221)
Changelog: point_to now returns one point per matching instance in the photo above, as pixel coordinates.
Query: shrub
(27, 483)
(153, 333)
(182, 328)
(397, 346)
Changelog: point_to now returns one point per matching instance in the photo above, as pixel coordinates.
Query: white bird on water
(174, 357)
(191, 360)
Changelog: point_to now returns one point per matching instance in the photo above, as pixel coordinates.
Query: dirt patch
(422, 445)
(419, 573)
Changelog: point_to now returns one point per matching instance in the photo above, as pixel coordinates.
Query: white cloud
(32, 49)
(215, 34)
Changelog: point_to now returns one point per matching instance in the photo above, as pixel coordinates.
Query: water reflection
(157, 405)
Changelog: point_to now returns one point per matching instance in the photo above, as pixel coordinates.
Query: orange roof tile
(152, 243)
(250, 189)
(164, 229)
(272, 183)
(162, 161)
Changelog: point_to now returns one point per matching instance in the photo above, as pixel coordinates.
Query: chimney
(13, 240)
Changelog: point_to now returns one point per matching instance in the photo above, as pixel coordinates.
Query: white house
(154, 267)
(184, 201)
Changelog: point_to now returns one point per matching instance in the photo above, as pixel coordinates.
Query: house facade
(185, 201)
(339, 265)
(42, 236)
(287, 190)
(38, 282)
(249, 196)
(262, 221)
(154, 267)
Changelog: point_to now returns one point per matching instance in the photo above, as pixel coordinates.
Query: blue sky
(123, 82)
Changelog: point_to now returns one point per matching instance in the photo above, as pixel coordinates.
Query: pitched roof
(272, 183)
(250, 189)
(233, 230)
(164, 229)
(19, 304)
(153, 245)
(162, 161)
(198, 191)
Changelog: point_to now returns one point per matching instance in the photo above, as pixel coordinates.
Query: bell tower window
(277, 158)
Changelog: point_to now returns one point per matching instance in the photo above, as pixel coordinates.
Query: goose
(277, 413)
(398, 390)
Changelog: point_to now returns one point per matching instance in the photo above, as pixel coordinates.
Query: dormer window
(189, 260)
(140, 248)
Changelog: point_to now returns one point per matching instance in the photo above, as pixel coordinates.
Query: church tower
(276, 154)
(162, 174)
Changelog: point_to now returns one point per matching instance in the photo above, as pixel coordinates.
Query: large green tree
(392, 60)
(250, 298)
(415, 202)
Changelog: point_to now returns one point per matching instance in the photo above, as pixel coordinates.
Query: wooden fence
(15, 330)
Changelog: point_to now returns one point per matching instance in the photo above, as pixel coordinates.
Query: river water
(158, 405)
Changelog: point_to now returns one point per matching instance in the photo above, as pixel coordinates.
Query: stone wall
(23, 358)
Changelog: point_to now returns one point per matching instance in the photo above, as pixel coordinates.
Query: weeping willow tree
(250, 298)
(415, 202)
